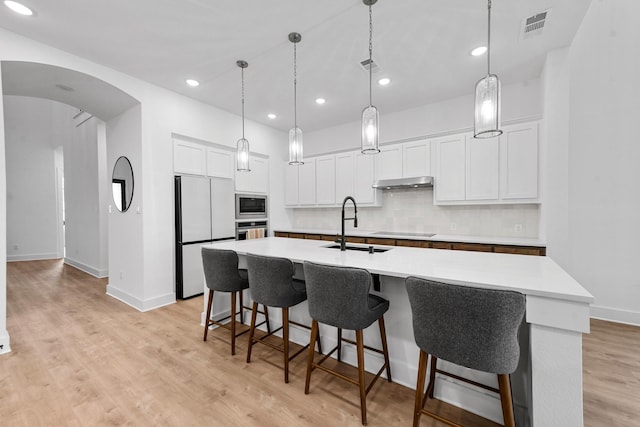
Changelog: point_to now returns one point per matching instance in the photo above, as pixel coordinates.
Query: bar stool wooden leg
(241, 306)
(207, 315)
(385, 349)
(363, 393)
(266, 317)
(432, 377)
(252, 329)
(233, 323)
(422, 376)
(285, 338)
(504, 383)
(314, 336)
(339, 345)
(319, 344)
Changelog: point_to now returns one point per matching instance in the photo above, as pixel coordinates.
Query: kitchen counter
(514, 241)
(548, 383)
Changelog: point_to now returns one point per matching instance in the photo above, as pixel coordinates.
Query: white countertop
(490, 240)
(530, 275)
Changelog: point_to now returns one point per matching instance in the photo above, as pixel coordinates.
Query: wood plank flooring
(82, 358)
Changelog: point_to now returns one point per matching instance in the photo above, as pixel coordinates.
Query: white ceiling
(422, 45)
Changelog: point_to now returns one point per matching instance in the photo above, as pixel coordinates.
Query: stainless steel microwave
(249, 206)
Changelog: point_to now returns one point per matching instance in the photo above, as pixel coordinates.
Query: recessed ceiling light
(18, 7)
(320, 101)
(480, 50)
(272, 116)
(192, 83)
(384, 81)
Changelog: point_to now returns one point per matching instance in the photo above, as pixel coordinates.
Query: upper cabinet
(492, 170)
(257, 179)
(406, 160)
(365, 175)
(189, 157)
(307, 182)
(345, 175)
(326, 180)
(220, 163)
(291, 197)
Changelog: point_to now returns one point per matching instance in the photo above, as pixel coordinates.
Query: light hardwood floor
(82, 358)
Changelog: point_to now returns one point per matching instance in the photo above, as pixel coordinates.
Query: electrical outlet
(518, 228)
(453, 226)
(16, 247)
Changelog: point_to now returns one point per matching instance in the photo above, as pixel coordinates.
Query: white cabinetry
(365, 175)
(492, 170)
(449, 163)
(519, 162)
(257, 179)
(389, 162)
(220, 163)
(416, 159)
(345, 176)
(291, 185)
(189, 157)
(307, 182)
(326, 180)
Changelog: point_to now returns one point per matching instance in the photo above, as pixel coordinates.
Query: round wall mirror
(122, 184)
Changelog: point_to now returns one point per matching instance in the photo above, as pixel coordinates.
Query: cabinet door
(450, 168)
(257, 179)
(344, 176)
(189, 158)
(325, 180)
(389, 162)
(483, 173)
(416, 159)
(519, 162)
(364, 178)
(307, 182)
(220, 163)
(291, 185)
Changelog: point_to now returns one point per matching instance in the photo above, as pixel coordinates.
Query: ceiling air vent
(533, 25)
(374, 67)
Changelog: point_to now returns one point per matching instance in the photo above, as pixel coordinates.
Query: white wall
(413, 210)
(604, 154)
(5, 346)
(34, 128)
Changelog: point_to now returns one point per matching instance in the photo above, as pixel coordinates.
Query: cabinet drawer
(413, 243)
(353, 239)
(378, 241)
(281, 234)
(296, 235)
(476, 247)
(313, 236)
(442, 245)
(520, 250)
(328, 237)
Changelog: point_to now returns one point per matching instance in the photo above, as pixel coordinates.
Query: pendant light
(487, 103)
(295, 133)
(242, 148)
(370, 126)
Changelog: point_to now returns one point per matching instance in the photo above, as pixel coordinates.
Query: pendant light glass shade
(242, 146)
(370, 130)
(295, 146)
(487, 104)
(487, 108)
(370, 118)
(242, 155)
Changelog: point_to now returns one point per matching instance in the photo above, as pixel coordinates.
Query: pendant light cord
(489, 37)
(295, 89)
(242, 77)
(370, 54)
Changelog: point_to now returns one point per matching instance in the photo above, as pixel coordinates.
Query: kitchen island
(548, 383)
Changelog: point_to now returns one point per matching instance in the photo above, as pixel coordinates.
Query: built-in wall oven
(251, 206)
(243, 229)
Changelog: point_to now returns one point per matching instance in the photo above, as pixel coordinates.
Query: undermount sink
(360, 248)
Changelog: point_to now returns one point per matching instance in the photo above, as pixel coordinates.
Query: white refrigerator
(204, 212)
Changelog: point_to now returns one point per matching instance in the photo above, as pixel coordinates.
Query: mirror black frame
(123, 182)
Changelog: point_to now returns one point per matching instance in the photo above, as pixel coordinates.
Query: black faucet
(343, 246)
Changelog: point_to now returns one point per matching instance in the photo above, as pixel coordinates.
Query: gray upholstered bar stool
(339, 296)
(472, 327)
(221, 274)
(272, 285)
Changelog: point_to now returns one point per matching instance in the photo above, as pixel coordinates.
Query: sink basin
(360, 248)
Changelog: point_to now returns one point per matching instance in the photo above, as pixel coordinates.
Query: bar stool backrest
(472, 327)
(271, 281)
(221, 270)
(339, 296)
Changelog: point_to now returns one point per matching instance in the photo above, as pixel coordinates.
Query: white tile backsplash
(413, 211)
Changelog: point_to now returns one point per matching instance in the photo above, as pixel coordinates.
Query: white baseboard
(95, 272)
(615, 315)
(139, 304)
(32, 257)
(5, 346)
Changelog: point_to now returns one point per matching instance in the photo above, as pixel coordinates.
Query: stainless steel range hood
(415, 182)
